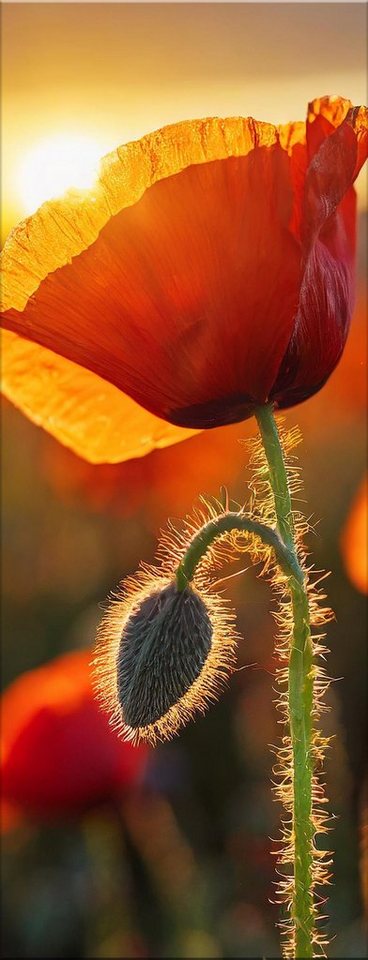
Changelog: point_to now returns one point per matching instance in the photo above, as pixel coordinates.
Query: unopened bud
(163, 648)
(163, 655)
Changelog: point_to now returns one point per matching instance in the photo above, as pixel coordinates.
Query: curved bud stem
(224, 523)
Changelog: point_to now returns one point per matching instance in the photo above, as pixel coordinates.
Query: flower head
(208, 271)
(58, 752)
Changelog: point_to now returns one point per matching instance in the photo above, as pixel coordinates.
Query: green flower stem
(300, 698)
(234, 521)
(277, 473)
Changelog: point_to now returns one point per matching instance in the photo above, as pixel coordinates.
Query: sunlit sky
(79, 79)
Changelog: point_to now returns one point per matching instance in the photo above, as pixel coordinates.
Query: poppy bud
(163, 655)
(163, 648)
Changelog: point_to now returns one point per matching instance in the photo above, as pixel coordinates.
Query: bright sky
(79, 79)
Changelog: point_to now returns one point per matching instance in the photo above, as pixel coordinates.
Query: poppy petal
(320, 331)
(324, 115)
(326, 296)
(333, 170)
(60, 229)
(83, 412)
(303, 140)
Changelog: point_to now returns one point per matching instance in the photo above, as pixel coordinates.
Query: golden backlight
(53, 165)
(116, 71)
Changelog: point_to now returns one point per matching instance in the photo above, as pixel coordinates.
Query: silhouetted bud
(162, 655)
(163, 648)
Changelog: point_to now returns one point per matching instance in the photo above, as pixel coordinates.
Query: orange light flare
(354, 539)
(55, 164)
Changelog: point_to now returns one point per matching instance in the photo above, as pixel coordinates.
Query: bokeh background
(168, 855)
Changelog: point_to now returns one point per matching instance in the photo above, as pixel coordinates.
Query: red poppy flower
(59, 753)
(210, 270)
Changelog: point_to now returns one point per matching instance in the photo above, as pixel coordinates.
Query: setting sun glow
(55, 164)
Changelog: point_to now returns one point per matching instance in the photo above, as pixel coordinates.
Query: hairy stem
(300, 699)
(235, 521)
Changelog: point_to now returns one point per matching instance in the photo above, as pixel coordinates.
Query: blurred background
(106, 851)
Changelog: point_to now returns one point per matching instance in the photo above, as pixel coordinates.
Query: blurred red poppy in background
(208, 271)
(59, 754)
(354, 539)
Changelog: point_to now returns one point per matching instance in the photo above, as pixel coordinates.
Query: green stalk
(300, 698)
(234, 521)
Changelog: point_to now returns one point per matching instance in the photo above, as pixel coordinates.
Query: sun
(55, 164)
